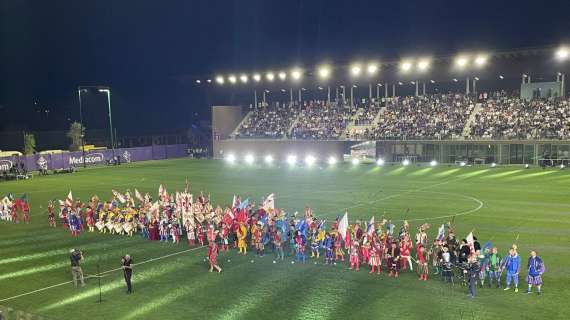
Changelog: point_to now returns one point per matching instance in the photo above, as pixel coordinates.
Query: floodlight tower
(562, 55)
(324, 72)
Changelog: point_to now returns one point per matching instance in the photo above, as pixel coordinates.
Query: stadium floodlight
(481, 60)
(355, 70)
(501, 77)
(256, 77)
(406, 162)
(230, 158)
(379, 84)
(400, 83)
(324, 72)
(355, 161)
(562, 54)
(282, 76)
(332, 161)
(268, 159)
(493, 165)
(243, 78)
(461, 62)
(198, 81)
(220, 80)
(296, 74)
(372, 69)
(249, 159)
(462, 163)
(209, 80)
(476, 78)
(423, 65)
(412, 82)
(432, 81)
(455, 80)
(406, 66)
(433, 163)
(380, 162)
(232, 79)
(310, 160)
(291, 159)
(270, 76)
(562, 166)
(526, 166)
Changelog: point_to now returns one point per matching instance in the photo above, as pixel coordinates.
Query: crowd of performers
(13, 210)
(264, 228)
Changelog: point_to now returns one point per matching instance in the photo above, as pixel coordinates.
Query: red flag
(69, 199)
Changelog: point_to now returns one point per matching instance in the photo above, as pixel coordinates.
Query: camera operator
(76, 257)
(128, 272)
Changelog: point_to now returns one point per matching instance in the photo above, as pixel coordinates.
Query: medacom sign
(92, 158)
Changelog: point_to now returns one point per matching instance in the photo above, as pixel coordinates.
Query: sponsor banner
(100, 157)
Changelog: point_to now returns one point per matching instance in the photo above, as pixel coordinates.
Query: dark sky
(150, 52)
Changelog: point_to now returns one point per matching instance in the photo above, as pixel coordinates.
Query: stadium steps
(467, 129)
(370, 126)
(246, 118)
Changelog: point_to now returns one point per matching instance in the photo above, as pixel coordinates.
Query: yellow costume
(242, 234)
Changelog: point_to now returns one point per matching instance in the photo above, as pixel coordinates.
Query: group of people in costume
(15, 209)
(264, 229)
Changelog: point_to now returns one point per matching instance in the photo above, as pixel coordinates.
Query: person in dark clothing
(128, 272)
(464, 251)
(473, 271)
(76, 257)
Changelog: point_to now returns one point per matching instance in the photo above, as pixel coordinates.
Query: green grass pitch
(499, 203)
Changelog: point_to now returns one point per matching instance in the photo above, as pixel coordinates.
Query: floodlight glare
(423, 65)
(433, 163)
(372, 69)
(220, 80)
(562, 166)
(249, 159)
(480, 61)
(526, 166)
(462, 164)
(355, 70)
(493, 165)
(231, 158)
(296, 74)
(406, 66)
(310, 160)
(355, 161)
(291, 159)
(332, 161)
(282, 75)
(501, 77)
(406, 162)
(243, 78)
(256, 77)
(380, 162)
(562, 54)
(461, 62)
(270, 76)
(324, 72)
(232, 79)
(198, 81)
(268, 159)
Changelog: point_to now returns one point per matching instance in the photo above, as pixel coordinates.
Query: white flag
(343, 225)
(371, 227)
(269, 203)
(441, 232)
(69, 199)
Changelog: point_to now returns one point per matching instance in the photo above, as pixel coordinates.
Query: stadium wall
(98, 157)
(281, 148)
(475, 151)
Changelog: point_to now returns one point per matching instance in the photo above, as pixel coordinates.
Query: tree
(29, 144)
(75, 133)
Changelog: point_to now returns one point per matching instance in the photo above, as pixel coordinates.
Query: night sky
(150, 52)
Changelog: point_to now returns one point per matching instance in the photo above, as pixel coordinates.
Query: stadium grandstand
(507, 108)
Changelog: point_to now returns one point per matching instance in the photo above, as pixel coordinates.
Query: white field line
(98, 275)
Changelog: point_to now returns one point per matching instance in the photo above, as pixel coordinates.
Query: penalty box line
(99, 275)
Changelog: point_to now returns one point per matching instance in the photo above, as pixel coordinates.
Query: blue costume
(328, 245)
(535, 268)
(513, 266)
